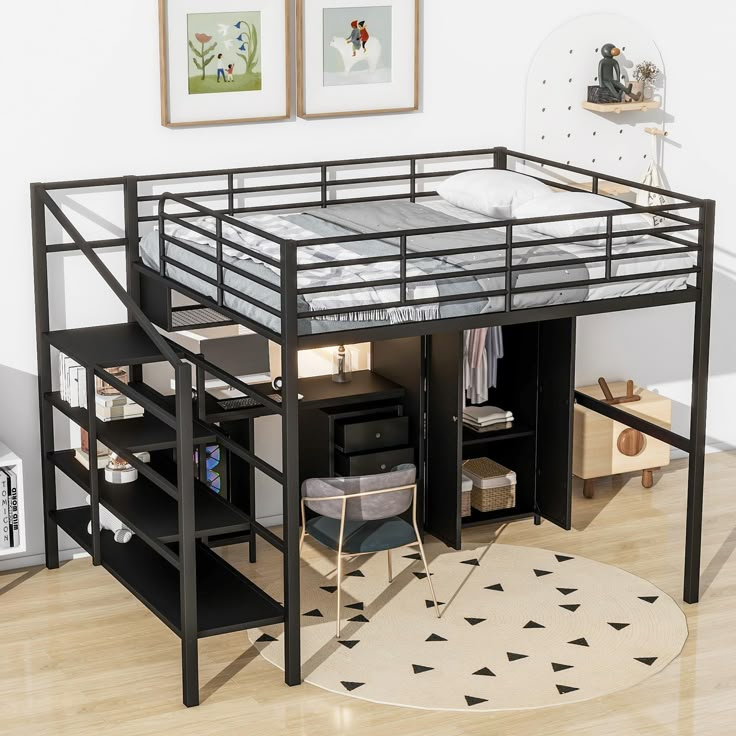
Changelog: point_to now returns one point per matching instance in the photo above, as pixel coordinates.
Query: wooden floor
(79, 655)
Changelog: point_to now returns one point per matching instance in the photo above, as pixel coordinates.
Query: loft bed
(312, 255)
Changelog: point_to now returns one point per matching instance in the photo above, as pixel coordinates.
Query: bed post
(132, 234)
(696, 467)
(290, 463)
(500, 157)
(41, 289)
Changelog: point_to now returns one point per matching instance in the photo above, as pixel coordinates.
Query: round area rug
(521, 628)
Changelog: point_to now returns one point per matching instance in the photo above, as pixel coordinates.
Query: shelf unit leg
(43, 351)
(290, 466)
(94, 477)
(253, 537)
(698, 404)
(187, 541)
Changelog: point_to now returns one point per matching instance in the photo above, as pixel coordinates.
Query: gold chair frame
(344, 498)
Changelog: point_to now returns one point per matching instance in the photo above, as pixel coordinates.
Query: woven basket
(467, 489)
(492, 498)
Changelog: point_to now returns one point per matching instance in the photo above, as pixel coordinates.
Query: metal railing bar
(268, 535)
(225, 217)
(229, 289)
(245, 455)
(232, 381)
(204, 300)
(317, 164)
(603, 177)
(96, 244)
(110, 280)
(221, 239)
(146, 402)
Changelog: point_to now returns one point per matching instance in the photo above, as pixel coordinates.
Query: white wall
(81, 99)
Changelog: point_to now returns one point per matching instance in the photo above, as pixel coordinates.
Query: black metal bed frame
(325, 189)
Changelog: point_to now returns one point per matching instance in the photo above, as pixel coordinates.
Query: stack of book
(110, 404)
(487, 418)
(9, 521)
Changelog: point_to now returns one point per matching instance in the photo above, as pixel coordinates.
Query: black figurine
(609, 76)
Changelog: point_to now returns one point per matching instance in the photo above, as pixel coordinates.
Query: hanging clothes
(483, 348)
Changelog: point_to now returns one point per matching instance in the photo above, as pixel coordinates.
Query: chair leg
(390, 572)
(339, 592)
(301, 539)
(429, 576)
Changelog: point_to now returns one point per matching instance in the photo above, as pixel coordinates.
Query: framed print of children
(353, 54)
(224, 52)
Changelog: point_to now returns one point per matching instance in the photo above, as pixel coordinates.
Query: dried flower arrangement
(646, 72)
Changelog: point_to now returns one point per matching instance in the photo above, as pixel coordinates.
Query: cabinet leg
(537, 519)
(589, 488)
(647, 479)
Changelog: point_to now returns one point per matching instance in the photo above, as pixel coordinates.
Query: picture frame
(358, 57)
(237, 67)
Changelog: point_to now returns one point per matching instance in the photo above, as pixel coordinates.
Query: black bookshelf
(149, 511)
(226, 600)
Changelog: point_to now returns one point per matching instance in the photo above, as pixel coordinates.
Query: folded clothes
(486, 414)
(490, 423)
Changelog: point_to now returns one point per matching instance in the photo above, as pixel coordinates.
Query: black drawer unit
(370, 463)
(362, 436)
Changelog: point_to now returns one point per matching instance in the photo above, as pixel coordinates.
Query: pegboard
(558, 128)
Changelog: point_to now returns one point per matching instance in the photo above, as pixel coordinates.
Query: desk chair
(361, 515)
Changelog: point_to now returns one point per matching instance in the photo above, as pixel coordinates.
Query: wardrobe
(535, 381)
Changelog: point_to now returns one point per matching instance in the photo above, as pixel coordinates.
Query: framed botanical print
(224, 62)
(357, 58)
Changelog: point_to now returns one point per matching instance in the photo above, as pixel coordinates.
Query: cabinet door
(553, 493)
(444, 438)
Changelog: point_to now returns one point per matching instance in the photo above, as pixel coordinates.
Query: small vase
(648, 91)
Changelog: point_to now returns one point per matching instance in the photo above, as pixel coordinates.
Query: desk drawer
(361, 436)
(370, 463)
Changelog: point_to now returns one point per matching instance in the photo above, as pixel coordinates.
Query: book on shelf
(5, 538)
(82, 457)
(13, 516)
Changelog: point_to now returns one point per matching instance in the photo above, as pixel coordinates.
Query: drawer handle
(378, 435)
(383, 466)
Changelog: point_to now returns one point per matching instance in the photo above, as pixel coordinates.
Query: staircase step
(226, 600)
(107, 345)
(149, 511)
(138, 434)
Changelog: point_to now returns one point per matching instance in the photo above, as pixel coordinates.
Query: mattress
(383, 216)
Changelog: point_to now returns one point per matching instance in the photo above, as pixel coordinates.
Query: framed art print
(357, 58)
(224, 62)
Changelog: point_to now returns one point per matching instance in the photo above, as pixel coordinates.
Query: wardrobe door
(444, 438)
(553, 495)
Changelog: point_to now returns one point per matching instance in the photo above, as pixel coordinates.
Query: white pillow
(571, 203)
(492, 192)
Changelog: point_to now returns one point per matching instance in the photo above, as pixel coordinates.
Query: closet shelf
(151, 512)
(471, 437)
(138, 434)
(619, 107)
(107, 345)
(226, 600)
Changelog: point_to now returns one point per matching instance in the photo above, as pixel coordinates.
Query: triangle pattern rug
(538, 628)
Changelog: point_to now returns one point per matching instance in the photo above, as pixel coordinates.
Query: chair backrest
(363, 507)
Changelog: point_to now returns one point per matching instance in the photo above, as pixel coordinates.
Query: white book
(4, 512)
(14, 518)
(128, 411)
(103, 400)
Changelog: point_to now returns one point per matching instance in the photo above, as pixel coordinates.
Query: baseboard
(17, 563)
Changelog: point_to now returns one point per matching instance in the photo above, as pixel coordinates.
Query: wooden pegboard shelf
(619, 107)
